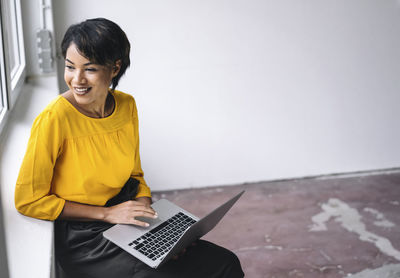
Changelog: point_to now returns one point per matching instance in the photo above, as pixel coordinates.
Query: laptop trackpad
(153, 222)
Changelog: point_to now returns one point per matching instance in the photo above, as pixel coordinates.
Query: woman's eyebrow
(87, 64)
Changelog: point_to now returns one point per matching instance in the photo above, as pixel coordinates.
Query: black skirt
(82, 252)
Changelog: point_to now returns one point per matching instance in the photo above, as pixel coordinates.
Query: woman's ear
(116, 68)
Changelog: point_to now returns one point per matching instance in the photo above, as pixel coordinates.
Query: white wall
(248, 90)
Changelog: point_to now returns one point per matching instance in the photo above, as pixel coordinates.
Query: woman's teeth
(82, 90)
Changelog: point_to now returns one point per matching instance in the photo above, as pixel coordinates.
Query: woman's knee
(233, 267)
(226, 259)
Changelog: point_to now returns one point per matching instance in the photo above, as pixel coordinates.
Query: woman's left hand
(126, 213)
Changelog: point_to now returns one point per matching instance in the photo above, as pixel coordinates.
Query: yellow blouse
(74, 157)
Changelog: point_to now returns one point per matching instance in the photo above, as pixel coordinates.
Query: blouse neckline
(92, 118)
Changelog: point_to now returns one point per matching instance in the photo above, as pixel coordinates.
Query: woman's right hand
(126, 213)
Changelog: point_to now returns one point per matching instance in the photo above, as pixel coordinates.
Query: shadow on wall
(59, 61)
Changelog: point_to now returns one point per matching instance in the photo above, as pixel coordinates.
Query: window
(3, 87)
(15, 42)
(12, 55)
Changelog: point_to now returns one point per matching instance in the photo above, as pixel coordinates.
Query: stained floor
(325, 227)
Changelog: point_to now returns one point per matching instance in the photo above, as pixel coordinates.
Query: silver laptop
(170, 233)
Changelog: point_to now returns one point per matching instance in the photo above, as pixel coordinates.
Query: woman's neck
(103, 110)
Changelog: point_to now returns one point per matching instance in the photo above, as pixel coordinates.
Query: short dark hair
(101, 41)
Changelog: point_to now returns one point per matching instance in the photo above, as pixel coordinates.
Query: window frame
(18, 71)
(11, 80)
(3, 80)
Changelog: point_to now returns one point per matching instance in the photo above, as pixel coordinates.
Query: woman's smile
(81, 91)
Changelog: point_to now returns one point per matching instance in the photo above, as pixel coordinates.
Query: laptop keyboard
(160, 240)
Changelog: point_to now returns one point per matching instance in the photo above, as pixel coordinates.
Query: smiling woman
(88, 74)
(94, 58)
(82, 166)
(88, 84)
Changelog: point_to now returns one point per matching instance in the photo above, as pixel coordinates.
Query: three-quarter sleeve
(33, 195)
(137, 172)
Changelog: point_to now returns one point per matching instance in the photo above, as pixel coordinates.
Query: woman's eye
(69, 67)
(91, 69)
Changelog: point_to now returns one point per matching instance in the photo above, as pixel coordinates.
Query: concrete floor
(326, 227)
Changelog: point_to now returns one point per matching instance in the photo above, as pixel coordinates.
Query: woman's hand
(126, 213)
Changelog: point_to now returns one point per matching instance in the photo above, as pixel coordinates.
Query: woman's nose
(79, 77)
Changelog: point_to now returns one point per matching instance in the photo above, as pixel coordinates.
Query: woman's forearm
(82, 212)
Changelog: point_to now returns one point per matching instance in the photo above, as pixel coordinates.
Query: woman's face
(88, 82)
